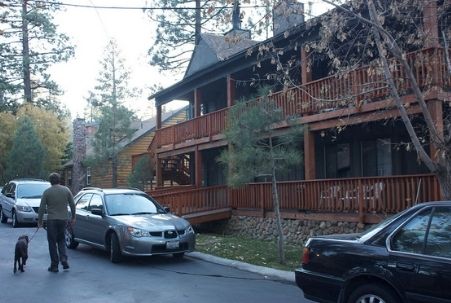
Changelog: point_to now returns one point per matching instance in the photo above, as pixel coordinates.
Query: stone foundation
(295, 231)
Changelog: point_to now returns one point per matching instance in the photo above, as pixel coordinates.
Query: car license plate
(172, 245)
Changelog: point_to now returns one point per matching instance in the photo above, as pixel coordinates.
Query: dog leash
(33, 235)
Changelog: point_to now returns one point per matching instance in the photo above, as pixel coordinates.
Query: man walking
(55, 200)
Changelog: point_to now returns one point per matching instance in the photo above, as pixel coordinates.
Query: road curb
(266, 271)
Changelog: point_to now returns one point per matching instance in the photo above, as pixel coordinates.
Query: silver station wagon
(127, 222)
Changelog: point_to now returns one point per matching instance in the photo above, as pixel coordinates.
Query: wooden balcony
(351, 89)
(365, 200)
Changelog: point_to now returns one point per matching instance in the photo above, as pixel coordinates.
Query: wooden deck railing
(358, 196)
(353, 88)
(195, 200)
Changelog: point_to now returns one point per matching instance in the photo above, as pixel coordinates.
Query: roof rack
(91, 188)
(127, 187)
(28, 179)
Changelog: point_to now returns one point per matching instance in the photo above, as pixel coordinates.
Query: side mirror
(97, 211)
(10, 195)
(167, 209)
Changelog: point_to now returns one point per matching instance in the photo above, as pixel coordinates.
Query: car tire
(69, 238)
(179, 256)
(3, 218)
(115, 249)
(15, 222)
(374, 293)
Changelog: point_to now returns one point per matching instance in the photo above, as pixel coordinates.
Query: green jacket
(55, 200)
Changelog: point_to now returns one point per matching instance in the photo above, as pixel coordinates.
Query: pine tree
(113, 118)
(256, 151)
(29, 45)
(27, 154)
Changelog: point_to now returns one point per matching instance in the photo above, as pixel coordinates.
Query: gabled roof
(214, 48)
(147, 126)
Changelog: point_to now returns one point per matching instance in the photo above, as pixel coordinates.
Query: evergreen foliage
(256, 150)
(142, 173)
(113, 118)
(29, 44)
(27, 154)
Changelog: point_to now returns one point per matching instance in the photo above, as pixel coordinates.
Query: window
(83, 202)
(428, 233)
(96, 202)
(438, 241)
(411, 237)
(88, 175)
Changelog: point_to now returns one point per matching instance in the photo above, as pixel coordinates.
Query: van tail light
(306, 256)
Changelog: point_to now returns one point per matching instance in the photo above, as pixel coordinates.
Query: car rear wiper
(30, 197)
(120, 214)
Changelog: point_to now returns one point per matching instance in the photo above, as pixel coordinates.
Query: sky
(89, 30)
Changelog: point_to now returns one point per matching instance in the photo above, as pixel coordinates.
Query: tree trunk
(444, 179)
(276, 205)
(26, 54)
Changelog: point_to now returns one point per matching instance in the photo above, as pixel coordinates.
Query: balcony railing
(354, 196)
(348, 89)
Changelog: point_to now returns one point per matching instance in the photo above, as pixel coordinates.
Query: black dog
(21, 253)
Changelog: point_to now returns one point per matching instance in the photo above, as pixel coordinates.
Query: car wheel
(69, 238)
(115, 249)
(14, 219)
(179, 256)
(373, 293)
(3, 218)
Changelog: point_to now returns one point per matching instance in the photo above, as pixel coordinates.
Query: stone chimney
(236, 32)
(287, 14)
(79, 154)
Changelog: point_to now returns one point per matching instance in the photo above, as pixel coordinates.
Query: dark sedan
(406, 258)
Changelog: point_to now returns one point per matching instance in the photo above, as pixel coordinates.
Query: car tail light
(306, 255)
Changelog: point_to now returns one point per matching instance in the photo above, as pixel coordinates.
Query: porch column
(306, 72)
(158, 168)
(158, 116)
(430, 24)
(309, 154)
(436, 109)
(197, 102)
(198, 168)
(230, 90)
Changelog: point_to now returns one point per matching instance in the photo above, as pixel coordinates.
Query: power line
(139, 7)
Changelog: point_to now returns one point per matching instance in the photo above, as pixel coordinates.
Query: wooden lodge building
(77, 175)
(357, 164)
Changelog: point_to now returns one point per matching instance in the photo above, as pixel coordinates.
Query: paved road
(92, 278)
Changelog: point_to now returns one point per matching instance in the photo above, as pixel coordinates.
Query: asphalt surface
(198, 278)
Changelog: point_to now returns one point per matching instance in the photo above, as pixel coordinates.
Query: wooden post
(158, 116)
(360, 194)
(197, 102)
(230, 90)
(159, 172)
(309, 154)
(198, 168)
(430, 24)
(436, 109)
